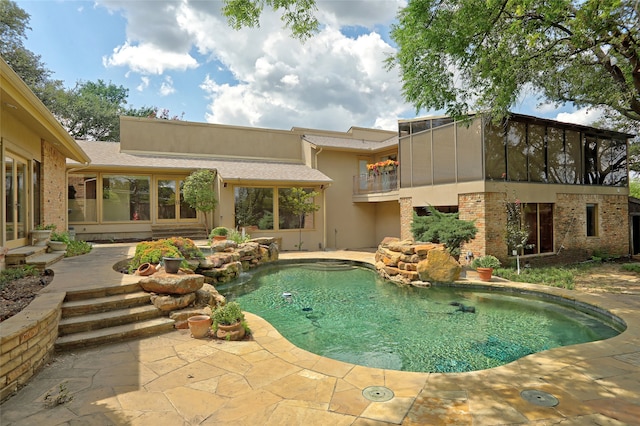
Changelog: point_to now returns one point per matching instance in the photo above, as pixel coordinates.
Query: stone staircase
(32, 255)
(96, 316)
(194, 231)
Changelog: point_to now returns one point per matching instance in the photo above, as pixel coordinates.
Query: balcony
(380, 183)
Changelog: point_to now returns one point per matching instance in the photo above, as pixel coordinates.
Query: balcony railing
(375, 183)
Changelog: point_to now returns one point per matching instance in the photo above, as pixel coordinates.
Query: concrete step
(32, 255)
(103, 304)
(114, 334)
(94, 292)
(100, 320)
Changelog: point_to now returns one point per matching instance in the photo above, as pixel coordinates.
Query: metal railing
(375, 183)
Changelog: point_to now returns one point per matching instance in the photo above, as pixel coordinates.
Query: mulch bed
(17, 294)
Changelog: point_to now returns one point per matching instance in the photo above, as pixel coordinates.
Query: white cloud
(148, 59)
(166, 88)
(144, 83)
(584, 116)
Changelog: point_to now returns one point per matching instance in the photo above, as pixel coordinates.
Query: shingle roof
(107, 154)
(350, 144)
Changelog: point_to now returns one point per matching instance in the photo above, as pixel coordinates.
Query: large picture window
(539, 219)
(125, 198)
(287, 219)
(254, 208)
(83, 200)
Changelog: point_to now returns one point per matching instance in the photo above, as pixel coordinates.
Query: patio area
(173, 379)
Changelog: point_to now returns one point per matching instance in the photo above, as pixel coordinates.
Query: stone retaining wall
(27, 341)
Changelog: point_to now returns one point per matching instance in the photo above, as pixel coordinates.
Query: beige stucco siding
(387, 220)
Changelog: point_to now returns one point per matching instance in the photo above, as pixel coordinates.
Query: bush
(236, 236)
(154, 251)
(62, 237)
(487, 261)
(227, 314)
(631, 267)
(551, 276)
(219, 231)
(444, 228)
(78, 247)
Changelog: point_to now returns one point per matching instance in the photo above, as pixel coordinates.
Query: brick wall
(27, 341)
(54, 187)
(487, 211)
(406, 218)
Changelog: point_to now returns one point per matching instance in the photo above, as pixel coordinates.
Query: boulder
(439, 266)
(209, 296)
(180, 283)
(168, 303)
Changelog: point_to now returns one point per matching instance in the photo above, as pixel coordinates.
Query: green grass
(551, 276)
(11, 274)
(631, 267)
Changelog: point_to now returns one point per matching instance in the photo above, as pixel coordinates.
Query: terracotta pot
(199, 326)
(219, 237)
(485, 273)
(146, 269)
(230, 332)
(172, 264)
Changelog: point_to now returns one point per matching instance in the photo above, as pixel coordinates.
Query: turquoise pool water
(348, 313)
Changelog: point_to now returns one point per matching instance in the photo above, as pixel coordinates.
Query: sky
(181, 55)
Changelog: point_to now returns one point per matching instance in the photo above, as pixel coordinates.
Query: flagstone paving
(173, 379)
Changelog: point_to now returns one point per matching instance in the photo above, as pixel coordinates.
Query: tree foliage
(444, 228)
(461, 55)
(199, 192)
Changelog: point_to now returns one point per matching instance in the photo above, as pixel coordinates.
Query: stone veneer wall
(27, 341)
(54, 187)
(406, 218)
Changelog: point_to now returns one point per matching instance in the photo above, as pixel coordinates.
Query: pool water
(348, 313)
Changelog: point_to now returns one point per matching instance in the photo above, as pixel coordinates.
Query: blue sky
(181, 55)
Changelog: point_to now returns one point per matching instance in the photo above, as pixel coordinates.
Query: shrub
(62, 237)
(219, 231)
(631, 267)
(227, 314)
(78, 247)
(444, 228)
(551, 276)
(237, 237)
(487, 261)
(154, 251)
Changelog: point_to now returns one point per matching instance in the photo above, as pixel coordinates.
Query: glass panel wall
(254, 207)
(517, 152)
(556, 157)
(468, 152)
(573, 157)
(421, 159)
(536, 153)
(286, 218)
(83, 200)
(494, 151)
(125, 198)
(444, 155)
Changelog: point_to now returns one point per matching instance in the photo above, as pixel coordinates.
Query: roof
(107, 155)
(26, 107)
(350, 144)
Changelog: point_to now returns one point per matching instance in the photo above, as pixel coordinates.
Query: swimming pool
(348, 313)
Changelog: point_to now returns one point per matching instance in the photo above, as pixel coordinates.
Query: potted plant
(58, 241)
(219, 234)
(228, 322)
(199, 325)
(40, 234)
(485, 265)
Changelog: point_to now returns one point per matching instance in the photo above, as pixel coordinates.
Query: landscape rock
(180, 283)
(168, 303)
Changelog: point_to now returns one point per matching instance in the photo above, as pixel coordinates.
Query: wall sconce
(224, 184)
(321, 186)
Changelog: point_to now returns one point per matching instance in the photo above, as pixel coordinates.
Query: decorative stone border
(27, 341)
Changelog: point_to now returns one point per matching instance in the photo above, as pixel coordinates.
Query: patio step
(100, 320)
(32, 255)
(98, 292)
(114, 334)
(103, 304)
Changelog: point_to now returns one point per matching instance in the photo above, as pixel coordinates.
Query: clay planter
(219, 237)
(199, 326)
(172, 264)
(230, 332)
(485, 273)
(40, 237)
(146, 269)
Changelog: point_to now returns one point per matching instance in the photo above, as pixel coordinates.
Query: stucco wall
(387, 220)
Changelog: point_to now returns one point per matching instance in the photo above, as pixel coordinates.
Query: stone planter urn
(199, 326)
(57, 246)
(230, 332)
(40, 236)
(172, 264)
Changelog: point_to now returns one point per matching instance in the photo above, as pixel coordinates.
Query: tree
(465, 55)
(300, 202)
(445, 228)
(461, 55)
(199, 193)
(634, 189)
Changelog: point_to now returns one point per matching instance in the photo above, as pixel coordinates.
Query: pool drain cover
(377, 393)
(540, 398)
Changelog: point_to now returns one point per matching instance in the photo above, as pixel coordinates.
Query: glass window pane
(286, 218)
(254, 208)
(592, 220)
(530, 216)
(591, 172)
(618, 173)
(9, 197)
(556, 156)
(186, 211)
(537, 153)
(517, 152)
(573, 157)
(545, 213)
(83, 202)
(444, 155)
(166, 199)
(495, 164)
(125, 198)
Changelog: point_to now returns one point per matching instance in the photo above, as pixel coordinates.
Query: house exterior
(132, 187)
(33, 148)
(571, 182)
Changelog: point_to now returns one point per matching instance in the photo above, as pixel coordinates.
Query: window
(592, 220)
(287, 219)
(125, 198)
(254, 207)
(538, 217)
(83, 202)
